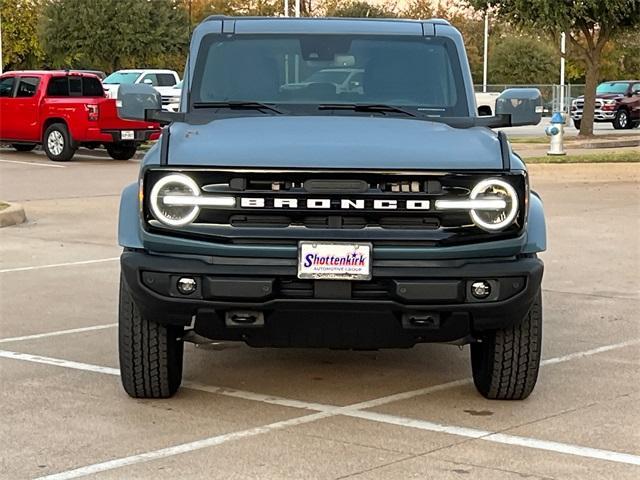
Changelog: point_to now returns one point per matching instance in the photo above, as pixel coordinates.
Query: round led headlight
(494, 219)
(165, 200)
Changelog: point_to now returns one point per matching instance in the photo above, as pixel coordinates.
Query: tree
(507, 67)
(115, 34)
(358, 9)
(589, 24)
(21, 47)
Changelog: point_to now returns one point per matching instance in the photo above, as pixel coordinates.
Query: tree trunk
(586, 127)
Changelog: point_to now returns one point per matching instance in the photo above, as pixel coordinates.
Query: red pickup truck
(64, 110)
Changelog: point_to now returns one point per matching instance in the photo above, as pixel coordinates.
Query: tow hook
(244, 318)
(424, 320)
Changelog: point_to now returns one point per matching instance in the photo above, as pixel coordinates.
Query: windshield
(122, 77)
(620, 88)
(419, 73)
(329, 76)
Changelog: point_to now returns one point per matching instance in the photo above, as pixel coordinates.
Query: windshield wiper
(240, 105)
(366, 107)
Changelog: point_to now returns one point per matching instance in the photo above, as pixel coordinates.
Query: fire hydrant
(556, 132)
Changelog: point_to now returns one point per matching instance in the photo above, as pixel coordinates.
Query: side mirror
(135, 100)
(636, 92)
(524, 105)
(147, 81)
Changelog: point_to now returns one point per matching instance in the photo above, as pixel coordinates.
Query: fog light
(480, 290)
(187, 285)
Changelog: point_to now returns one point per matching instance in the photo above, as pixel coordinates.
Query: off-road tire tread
(150, 353)
(506, 364)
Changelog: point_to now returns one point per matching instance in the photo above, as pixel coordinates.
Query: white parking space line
(465, 381)
(504, 438)
(183, 448)
(35, 164)
(58, 362)
(56, 265)
(325, 411)
(593, 351)
(58, 333)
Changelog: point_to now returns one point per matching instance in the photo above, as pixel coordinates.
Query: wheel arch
(485, 110)
(536, 226)
(129, 218)
(50, 121)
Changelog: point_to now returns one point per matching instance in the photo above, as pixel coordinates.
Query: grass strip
(616, 157)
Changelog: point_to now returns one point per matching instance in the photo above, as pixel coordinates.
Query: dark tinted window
(27, 86)
(58, 87)
(75, 86)
(166, 80)
(6, 86)
(91, 87)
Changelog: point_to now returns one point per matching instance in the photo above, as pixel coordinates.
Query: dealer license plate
(334, 261)
(127, 135)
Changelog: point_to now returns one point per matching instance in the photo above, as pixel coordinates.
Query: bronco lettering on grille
(328, 204)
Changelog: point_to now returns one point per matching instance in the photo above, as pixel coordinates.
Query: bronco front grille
(288, 205)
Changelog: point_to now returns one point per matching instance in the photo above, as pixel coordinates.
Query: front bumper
(375, 314)
(114, 136)
(599, 115)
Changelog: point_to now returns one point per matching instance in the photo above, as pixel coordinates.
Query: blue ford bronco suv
(329, 183)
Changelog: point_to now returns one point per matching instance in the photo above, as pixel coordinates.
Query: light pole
(1, 47)
(485, 61)
(297, 8)
(563, 48)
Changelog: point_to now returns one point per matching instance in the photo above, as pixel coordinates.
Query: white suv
(162, 80)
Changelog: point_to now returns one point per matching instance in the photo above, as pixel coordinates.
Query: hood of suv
(333, 142)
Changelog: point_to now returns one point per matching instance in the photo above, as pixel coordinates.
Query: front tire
(622, 121)
(23, 147)
(151, 354)
(58, 144)
(505, 363)
(120, 151)
(577, 123)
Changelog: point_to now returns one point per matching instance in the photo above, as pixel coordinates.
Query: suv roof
(51, 73)
(311, 25)
(435, 21)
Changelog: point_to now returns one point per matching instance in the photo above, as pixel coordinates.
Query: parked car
(162, 80)
(617, 102)
(486, 103)
(64, 110)
(171, 101)
(284, 218)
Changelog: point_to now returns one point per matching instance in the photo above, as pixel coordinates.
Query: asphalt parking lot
(318, 414)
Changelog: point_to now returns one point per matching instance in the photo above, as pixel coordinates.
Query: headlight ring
(498, 219)
(173, 185)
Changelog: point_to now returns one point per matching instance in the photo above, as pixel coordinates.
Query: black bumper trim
(179, 310)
